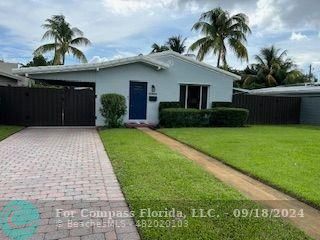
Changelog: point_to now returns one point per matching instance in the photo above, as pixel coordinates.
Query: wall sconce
(153, 89)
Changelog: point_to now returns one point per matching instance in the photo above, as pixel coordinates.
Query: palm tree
(221, 29)
(158, 48)
(65, 37)
(272, 68)
(176, 44)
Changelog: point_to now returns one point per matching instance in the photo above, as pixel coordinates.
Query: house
(9, 79)
(310, 99)
(144, 81)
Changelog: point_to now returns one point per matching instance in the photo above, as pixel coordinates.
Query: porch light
(153, 89)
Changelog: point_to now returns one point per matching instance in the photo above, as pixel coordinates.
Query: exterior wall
(167, 83)
(7, 67)
(310, 110)
(4, 81)
(7, 81)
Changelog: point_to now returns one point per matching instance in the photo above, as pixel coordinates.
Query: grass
(286, 157)
(154, 177)
(6, 131)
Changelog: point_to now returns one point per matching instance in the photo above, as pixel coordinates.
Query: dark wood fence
(47, 106)
(270, 110)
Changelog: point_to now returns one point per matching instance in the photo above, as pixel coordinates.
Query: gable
(169, 56)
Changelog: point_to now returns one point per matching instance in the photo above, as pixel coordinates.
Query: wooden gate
(47, 107)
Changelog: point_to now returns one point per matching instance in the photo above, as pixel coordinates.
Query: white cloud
(267, 16)
(298, 36)
(133, 25)
(98, 59)
(150, 7)
(118, 55)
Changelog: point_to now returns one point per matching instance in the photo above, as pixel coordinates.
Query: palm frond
(239, 49)
(77, 31)
(45, 48)
(78, 54)
(259, 59)
(248, 79)
(50, 34)
(218, 26)
(80, 41)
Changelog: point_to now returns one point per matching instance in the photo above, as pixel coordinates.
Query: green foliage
(180, 117)
(158, 48)
(177, 44)
(272, 69)
(221, 104)
(174, 43)
(218, 116)
(219, 30)
(113, 108)
(163, 105)
(6, 131)
(65, 37)
(285, 156)
(154, 177)
(38, 60)
(229, 117)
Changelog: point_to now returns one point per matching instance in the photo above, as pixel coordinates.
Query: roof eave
(11, 76)
(90, 67)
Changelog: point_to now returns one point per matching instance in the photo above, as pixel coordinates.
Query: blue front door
(138, 100)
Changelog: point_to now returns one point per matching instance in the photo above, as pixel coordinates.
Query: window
(194, 96)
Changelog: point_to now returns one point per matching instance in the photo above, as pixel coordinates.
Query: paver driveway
(64, 171)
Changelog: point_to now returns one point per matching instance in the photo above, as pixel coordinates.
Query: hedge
(180, 117)
(229, 117)
(113, 107)
(217, 117)
(163, 105)
(221, 104)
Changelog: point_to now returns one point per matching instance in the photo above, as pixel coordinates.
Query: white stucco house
(145, 81)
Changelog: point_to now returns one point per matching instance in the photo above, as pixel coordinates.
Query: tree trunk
(224, 60)
(219, 57)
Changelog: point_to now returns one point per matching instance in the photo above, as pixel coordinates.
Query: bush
(180, 117)
(228, 117)
(113, 108)
(163, 105)
(221, 104)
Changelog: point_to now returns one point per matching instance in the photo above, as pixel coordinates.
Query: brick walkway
(68, 169)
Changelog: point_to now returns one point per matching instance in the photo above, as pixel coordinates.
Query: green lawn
(287, 157)
(6, 131)
(153, 176)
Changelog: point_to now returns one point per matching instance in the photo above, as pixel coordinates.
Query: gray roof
(148, 59)
(12, 76)
(307, 89)
(90, 66)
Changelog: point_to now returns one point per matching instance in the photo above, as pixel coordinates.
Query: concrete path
(253, 189)
(67, 175)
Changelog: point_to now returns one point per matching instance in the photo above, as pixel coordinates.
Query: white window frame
(186, 93)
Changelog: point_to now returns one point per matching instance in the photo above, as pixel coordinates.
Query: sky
(123, 28)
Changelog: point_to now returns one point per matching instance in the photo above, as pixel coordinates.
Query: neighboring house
(7, 78)
(145, 81)
(310, 99)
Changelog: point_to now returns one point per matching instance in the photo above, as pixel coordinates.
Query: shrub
(228, 117)
(163, 105)
(180, 117)
(113, 108)
(221, 104)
